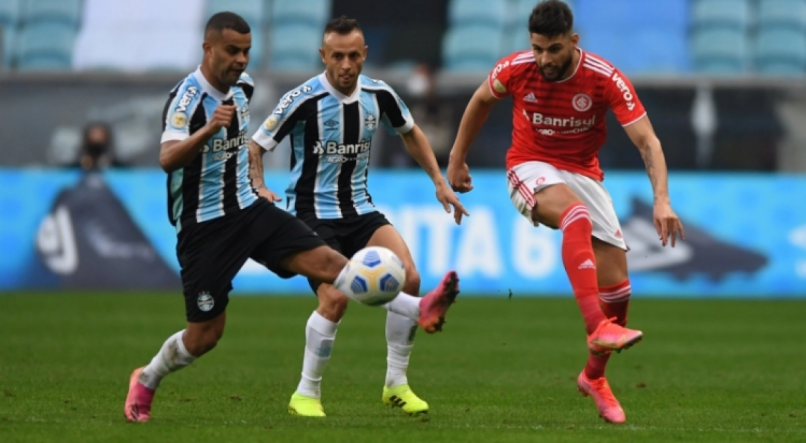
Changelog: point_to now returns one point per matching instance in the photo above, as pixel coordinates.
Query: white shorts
(528, 178)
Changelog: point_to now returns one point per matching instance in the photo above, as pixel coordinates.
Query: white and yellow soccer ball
(375, 275)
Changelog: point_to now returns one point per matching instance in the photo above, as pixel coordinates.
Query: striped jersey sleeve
(181, 105)
(283, 119)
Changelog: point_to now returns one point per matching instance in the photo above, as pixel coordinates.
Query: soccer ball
(375, 276)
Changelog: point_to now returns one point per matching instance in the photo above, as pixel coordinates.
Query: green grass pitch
(503, 370)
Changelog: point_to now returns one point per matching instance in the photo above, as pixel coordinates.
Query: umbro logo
(331, 123)
(587, 264)
(530, 97)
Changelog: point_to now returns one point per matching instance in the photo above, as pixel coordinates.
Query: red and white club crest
(582, 102)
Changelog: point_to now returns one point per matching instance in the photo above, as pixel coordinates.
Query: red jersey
(563, 123)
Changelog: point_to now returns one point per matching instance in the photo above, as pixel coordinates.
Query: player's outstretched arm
(175, 154)
(666, 221)
(420, 149)
(476, 113)
(256, 172)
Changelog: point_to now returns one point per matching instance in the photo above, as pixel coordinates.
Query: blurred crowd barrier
(715, 124)
(746, 235)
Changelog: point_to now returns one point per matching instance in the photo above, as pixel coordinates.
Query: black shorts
(346, 235)
(211, 253)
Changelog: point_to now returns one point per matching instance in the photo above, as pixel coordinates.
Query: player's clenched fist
(222, 117)
(459, 177)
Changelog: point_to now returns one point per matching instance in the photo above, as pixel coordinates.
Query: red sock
(614, 302)
(580, 263)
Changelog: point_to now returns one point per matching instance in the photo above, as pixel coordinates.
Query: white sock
(320, 333)
(172, 357)
(405, 305)
(400, 333)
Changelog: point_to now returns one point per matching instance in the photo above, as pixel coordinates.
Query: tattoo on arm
(256, 165)
(649, 162)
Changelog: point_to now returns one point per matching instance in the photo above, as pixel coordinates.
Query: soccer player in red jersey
(561, 95)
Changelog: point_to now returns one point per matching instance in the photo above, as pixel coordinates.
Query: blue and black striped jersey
(216, 182)
(331, 136)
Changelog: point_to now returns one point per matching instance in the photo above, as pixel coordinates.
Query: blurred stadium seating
(472, 48)
(52, 11)
(296, 33)
(45, 45)
(646, 37)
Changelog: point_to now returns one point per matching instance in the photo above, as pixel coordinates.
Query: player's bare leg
(614, 299)
(323, 263)
(180, 350)
(559, 207)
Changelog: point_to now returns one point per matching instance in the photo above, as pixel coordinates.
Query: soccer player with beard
(561, 95)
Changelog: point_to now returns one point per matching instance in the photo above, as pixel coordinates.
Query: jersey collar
(339, 96)
(576, 68)
(209, 89)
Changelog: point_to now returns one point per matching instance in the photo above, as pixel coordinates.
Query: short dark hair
(227, 20)
(551, 18)
(342, 25)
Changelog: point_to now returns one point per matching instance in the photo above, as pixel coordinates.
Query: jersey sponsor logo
(331, 147)
(498, 68)
(530, 97)
(331, 124)
(179, 117)
(625, 90)
(582, 102)
(224, 149)
(289, 99)
(187, 97)
(540, 119)
(342, 152)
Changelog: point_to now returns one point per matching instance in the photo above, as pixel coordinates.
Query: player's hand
(459, 177)
(222, 117)
(447, 197)
(667, 223)
(268, 194)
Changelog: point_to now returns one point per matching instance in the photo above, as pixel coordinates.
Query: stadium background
(88, 275)
(725, 95)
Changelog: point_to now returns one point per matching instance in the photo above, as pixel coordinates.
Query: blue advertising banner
(746, 235)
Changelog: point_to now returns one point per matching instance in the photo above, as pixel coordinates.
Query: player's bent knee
(201, 342)
(322, 264)
(412, 284)
(332, 303)
(552, 202)
(332, 264)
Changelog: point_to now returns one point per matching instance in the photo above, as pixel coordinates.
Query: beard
(558, 72)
